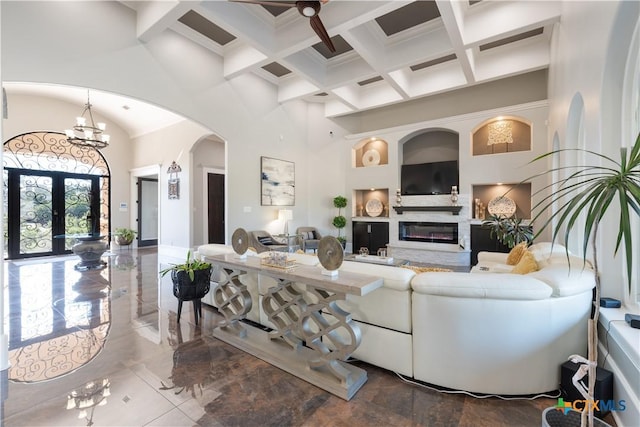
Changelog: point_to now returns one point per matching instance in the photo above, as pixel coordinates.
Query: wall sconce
(500, 132)
(285, 215)
(174, 181)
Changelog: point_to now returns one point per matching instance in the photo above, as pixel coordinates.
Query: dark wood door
(215, 207)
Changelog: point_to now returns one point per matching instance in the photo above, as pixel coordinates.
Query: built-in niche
(501, 135)
(371, 203)
(430, 163)
(370, 152)
(503, 199)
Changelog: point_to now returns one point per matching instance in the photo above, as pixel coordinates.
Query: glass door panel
(36, 214)
(78, 216)
(42, 205)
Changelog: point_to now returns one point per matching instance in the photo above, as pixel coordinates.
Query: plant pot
(185, 289)
(123, 241)
(553, 417)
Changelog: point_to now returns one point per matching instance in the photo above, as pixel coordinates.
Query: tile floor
(112, 337)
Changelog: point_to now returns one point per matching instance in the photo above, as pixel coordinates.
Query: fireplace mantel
(455, 210)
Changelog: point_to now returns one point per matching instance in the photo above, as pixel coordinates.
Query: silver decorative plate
(374, 207)
(502, 206)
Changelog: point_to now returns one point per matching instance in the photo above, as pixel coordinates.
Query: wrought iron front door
(42, 205)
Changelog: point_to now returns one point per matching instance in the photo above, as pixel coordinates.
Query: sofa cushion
(490, 285)
(544, 250)
(393, 278)
(566, 280)
(527, 264)
(491, 267)
(516, 253)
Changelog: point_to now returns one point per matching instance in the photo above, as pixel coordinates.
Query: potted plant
(508, 230)
(124, 236)
(340, 221)
(582, 199)
(191, 282)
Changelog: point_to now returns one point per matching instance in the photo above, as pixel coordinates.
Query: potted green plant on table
(582, 199)
(124, 236)
(508, 230)
(191, 282)
(339, 221)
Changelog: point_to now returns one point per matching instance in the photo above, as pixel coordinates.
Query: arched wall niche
(502, 134)
(370, 152)
(208, 155)
(429, 145)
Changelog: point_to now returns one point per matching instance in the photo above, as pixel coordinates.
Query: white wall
(579, 69)
(588, 65)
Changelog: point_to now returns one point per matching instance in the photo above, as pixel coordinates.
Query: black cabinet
(482, 241)
(370, 235)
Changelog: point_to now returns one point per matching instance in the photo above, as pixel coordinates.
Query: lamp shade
(285, 214)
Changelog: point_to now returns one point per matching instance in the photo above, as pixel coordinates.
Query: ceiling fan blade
(318, 27)
(266, 3)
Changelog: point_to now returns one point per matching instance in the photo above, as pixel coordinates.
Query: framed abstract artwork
(277, 182)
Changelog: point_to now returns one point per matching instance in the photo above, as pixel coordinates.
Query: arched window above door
(50, 151)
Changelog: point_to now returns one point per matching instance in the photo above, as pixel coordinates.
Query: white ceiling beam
(152, 18)
(452, 19)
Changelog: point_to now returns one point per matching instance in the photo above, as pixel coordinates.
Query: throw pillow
(516, 253)
(309, 235)
(527, 264)
(265, 240)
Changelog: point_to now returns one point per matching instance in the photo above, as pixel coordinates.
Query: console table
(313, 336)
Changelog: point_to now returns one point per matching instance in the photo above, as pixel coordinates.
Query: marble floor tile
(70, 330)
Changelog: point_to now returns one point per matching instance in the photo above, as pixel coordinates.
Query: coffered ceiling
(386, 51)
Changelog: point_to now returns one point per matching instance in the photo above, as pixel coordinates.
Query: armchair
(262, 241)
(310, 237)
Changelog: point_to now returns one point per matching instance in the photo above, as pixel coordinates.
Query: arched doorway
(52, 188)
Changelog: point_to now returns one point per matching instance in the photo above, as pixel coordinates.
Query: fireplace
(432, 232)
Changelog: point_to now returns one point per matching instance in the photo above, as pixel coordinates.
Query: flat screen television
(428, 178)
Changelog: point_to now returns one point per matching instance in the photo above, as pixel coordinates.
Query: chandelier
(87, 133)
(92, 394)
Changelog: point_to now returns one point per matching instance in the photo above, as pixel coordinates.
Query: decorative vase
(123, 241)
(194, 290)
(185, 289)
(454, 195)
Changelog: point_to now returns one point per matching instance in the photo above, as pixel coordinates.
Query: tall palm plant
(586, 194)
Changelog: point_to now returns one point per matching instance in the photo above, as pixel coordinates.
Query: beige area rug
(427, 269)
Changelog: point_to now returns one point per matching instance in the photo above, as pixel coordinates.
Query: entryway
(52, 188)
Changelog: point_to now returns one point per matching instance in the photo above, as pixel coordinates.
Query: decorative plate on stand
(330, 253)
(502, 206)
(371, 158)
(374, 207)
(240, 241)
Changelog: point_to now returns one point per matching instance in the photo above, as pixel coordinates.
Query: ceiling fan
(308, 9)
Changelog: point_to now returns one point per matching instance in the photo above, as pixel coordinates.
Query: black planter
(186, 289)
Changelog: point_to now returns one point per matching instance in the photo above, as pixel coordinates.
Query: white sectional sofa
(488, 331)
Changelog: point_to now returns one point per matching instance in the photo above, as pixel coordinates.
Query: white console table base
(299, 317)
